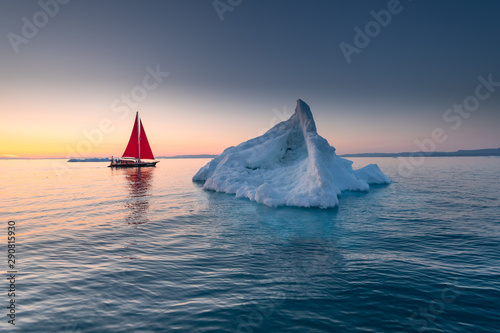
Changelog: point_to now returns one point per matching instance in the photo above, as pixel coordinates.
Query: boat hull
(133, 164)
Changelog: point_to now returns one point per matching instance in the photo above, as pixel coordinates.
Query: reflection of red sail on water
(138, 152)
(139, 184)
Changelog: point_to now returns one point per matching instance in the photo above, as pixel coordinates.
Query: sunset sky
(89, 63)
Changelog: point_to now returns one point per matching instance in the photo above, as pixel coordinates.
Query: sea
(98, 249)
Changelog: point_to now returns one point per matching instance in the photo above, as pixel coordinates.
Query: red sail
(146, 152)
(132, 149)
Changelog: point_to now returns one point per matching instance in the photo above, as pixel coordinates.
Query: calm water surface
(128, 250)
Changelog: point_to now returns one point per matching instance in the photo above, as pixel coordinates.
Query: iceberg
(289, 165)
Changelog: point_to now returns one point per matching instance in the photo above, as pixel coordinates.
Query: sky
(379, 76)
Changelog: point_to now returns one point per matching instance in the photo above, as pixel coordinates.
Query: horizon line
(213, 155)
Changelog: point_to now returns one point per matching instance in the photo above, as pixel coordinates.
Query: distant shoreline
(159, 157)
(458, 153)
(189, 156)
(89, 159)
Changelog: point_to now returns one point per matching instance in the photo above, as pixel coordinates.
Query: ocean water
(128, 250)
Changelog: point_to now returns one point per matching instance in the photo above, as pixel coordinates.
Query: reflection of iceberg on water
(289, 165)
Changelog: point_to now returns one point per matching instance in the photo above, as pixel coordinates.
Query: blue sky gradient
(227, 79)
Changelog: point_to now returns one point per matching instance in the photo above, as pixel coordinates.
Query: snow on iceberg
(291, 164)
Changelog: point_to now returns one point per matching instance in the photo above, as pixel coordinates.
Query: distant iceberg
(89, 159)
(291, 165)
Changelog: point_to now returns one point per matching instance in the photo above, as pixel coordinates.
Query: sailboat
(138, 149)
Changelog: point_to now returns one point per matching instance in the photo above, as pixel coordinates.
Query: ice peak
(305, 116)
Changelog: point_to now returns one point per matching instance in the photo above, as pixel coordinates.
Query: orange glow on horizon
(48, 127)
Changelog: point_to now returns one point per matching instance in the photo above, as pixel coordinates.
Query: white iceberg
(291, 164)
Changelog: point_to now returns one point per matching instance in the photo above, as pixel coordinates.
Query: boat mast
(138, 134)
